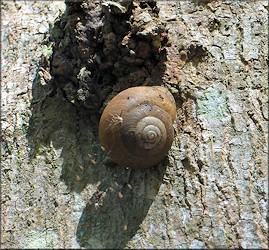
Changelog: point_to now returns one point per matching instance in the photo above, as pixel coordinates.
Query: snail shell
(135, 129)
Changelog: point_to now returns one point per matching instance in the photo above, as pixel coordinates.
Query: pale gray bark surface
(210, 192)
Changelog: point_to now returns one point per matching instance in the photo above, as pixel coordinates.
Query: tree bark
(63, 62)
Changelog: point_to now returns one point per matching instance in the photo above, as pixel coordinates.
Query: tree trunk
(63, 62)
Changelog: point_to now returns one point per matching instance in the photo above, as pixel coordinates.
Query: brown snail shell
(136, 127)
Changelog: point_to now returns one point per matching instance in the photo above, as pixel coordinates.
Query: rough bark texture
(58, 188)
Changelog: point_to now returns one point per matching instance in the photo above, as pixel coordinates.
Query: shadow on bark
(113, 216)
(62, 131)
(123, 197)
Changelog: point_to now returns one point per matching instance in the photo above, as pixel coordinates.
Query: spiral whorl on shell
(136, 129)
